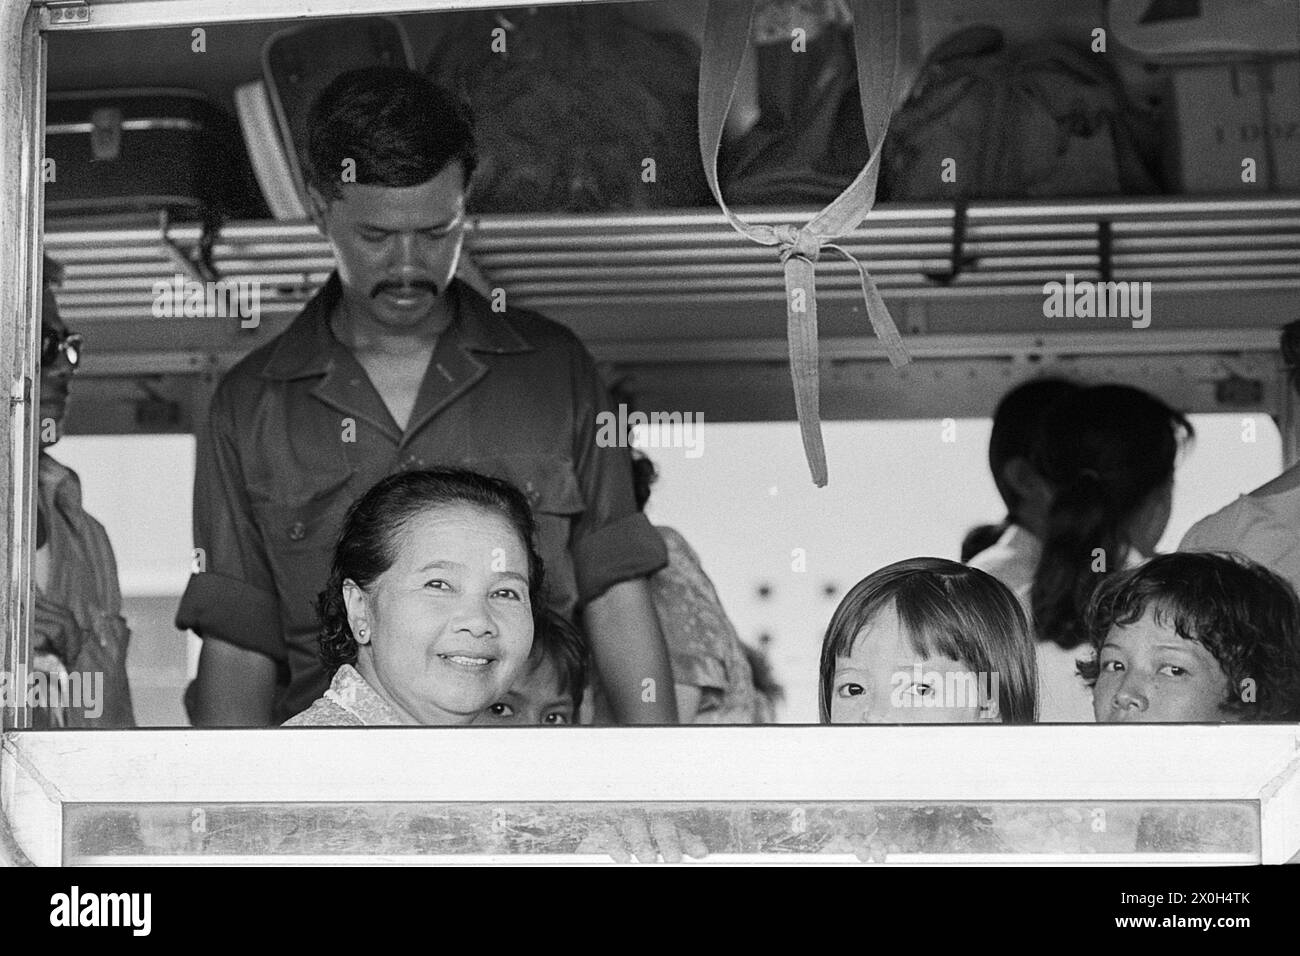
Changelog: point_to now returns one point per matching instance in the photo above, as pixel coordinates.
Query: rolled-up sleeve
(622, 550)
(231, 597)
(612, 541)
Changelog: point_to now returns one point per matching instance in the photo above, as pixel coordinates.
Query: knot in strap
(799, 243)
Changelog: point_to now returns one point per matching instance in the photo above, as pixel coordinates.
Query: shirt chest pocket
(299, 529)
(551, 487)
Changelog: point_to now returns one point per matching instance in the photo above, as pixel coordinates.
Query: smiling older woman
(428, 614)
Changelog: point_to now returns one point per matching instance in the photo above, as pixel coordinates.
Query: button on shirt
(297, 432)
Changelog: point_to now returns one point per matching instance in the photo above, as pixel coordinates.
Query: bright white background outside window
(897, 490)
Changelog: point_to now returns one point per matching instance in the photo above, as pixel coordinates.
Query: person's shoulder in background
(1264, 529)
(1217, 531)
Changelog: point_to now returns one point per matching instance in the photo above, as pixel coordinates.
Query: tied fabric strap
(875, 38)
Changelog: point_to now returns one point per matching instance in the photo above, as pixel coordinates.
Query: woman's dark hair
(947, 610)
(365, 549)
(1016, 422)
(396, 125)
(980, 538)
(1239, 611)
(1104, 450)
(557, 640)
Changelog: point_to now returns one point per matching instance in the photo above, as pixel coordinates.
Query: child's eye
(850, 690)
(501, 710)
(508, 593)
(555, 719)
(921, 690)
(1173, 670)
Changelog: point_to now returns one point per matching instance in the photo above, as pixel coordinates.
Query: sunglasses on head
(52, 343)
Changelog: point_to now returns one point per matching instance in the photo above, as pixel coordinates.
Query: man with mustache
(395, 364)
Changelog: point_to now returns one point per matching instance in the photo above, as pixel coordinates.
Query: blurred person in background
(711, 666)
(78, 633)
(1108, 453)
(1009, 550)
(1263, 524)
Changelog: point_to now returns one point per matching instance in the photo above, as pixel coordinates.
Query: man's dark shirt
(297, 432)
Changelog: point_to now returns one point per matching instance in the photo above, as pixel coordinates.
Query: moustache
(404, 288)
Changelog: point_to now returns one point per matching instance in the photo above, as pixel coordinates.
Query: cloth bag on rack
(988, 120)
(809, 141)
(577, 109)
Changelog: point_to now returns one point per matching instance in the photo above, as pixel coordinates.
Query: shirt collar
(1022, 544)
(354, 694)
(57, 483)
(306, 348)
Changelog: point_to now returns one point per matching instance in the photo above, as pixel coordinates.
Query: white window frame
(41, 773)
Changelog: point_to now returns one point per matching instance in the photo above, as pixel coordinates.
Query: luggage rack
(682, 259)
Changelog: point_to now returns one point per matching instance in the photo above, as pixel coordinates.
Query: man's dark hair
(1016, 422)
(556, 639)
(365, 548)
(396, 125)
(1239, 611)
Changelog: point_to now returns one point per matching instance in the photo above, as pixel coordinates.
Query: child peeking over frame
(928, 641)
(1194, 638)
(549, 691)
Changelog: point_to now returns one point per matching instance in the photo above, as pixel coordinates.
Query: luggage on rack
(989, 121)
(137, 151)
(1194, 30)
(569, 104)
(299, 62)
(267, 150)
(809, 142)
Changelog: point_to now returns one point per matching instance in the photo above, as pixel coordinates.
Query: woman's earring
(361, 633)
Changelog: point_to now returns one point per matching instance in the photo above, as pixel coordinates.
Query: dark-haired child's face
(535, 697)
(884, 681)
(1147, 673)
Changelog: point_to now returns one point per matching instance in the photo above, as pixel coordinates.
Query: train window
(774, 557)
(166, 275)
